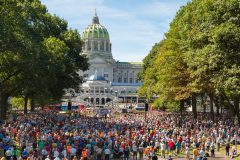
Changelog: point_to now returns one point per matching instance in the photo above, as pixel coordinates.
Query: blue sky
(134, 25)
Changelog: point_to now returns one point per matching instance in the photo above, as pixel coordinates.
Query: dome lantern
(96, 38)
(95, 18)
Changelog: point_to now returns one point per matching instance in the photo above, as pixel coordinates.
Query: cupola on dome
(95, 30)
(96, 39)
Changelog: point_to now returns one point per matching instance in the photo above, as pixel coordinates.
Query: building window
(106, 75)
(119, 79)
(89, 46)
(85, 75)
(107, 46)
(95, 46)
(125, 80)
(130, 80)
(102, 46)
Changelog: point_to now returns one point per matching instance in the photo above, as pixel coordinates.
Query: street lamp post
(236, 132)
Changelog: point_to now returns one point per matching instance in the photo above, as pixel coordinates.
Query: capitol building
(107, 80)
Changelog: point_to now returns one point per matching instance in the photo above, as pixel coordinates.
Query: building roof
(129, 64)
(126, 84)
(140, 63)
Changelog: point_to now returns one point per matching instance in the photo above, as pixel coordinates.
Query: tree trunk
(194, 106)
(217, 105)
(25, 105)
(32, 105)
(203, 102)
(181, 107)
(211, 108)
(181, 112)
(4, 106)
(236, 106)
(221, 103)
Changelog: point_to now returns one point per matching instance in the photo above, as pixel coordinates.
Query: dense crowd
(49, 135)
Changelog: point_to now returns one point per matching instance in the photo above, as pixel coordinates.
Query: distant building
(106, 80)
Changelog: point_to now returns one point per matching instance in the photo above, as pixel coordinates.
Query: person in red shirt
(180, 139)
(171, 146)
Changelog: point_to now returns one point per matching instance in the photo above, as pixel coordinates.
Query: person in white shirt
(163, 149)
(157, 145)
(187, 151)
(9, 153)
(107, 153)
(55, 153)
(201, 153)
(44, 153)
(134, 149)
(64, 153)
(56, 158)
(48, 158)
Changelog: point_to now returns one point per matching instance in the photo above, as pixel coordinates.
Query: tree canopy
(39, 54)
(200, 54)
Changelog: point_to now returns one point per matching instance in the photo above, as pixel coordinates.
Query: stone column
(105, 45)
(98, 45)
(133, 77)
(86, 45)
(122, 79)
(94, 90)
(92, 46)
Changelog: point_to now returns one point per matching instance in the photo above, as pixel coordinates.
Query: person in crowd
(50, 135)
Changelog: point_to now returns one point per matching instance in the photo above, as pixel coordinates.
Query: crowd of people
(53, 136)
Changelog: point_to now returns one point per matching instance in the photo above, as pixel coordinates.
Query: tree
(200, 55)
(39, 55)
(148, 75)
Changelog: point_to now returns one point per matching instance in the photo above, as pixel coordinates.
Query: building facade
(107, 80)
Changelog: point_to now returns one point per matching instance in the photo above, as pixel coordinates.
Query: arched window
(103, 101)
(101, 45)
(88, 46)
(92, 100)
(95, 45)
(97, 100)
(106, 46)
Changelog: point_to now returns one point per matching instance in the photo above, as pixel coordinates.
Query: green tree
(39, 55)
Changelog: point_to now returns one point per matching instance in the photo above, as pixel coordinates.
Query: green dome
(95, 30)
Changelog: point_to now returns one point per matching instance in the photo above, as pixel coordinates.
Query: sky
(134, 26)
